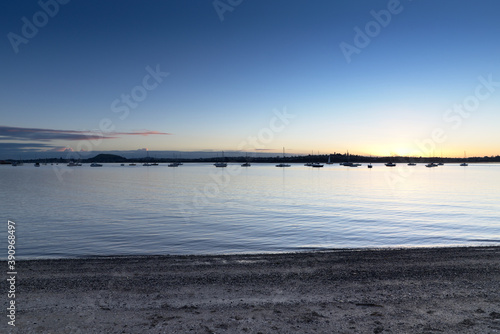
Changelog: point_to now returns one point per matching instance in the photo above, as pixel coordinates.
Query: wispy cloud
(45, 135)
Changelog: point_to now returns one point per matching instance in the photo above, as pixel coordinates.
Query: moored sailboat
(464, 164)
(283, 164)
(221, 163)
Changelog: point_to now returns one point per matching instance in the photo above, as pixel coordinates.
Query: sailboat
(329, 162)
(464, 164)
(283, 164)
(175, 163)
(246, 164)
(314, 164)
(147, 164)
(222, 163)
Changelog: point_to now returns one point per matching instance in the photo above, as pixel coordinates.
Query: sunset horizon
(372, 78)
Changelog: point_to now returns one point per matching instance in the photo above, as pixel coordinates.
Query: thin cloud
(23, 146)
(45, 135)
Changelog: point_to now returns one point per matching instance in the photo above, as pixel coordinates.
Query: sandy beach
(425, 290)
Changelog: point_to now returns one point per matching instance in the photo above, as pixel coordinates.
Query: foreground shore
(426, 290)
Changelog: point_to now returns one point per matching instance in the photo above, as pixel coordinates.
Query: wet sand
(426, 290)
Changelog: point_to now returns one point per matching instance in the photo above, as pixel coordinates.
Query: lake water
(199, 209)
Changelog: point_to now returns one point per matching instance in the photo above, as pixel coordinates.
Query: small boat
(146, 164)
(464, 164)
(95, 165)
(122, 165)
(37, 164)
(221, 164)
(173, 164)
(316, 165)
(131, 164)
(329, 161)
(370, 165)
(431, 164)
(246, 164)
(347, 163)
(412, 164)
(72, 164)
(283, 164)
(390, 164)
(154, 164)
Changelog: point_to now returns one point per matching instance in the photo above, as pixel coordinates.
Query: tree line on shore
(323, 158)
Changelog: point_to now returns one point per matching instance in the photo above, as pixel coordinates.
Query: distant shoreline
(324, 158)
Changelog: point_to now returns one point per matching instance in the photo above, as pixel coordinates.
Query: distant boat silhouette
(370, 165)
(246, 164)
(390, 164)
(37, 164)
(329, 161)
(283, 164)
(348, 163)
(412, 164)
(95, 165)
(431, 164)
(222, 163)
(464, 164)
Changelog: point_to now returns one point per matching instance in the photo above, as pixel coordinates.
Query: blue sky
(424, 80)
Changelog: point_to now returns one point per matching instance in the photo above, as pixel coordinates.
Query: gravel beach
(423, 290)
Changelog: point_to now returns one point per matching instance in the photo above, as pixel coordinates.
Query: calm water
(197, 208)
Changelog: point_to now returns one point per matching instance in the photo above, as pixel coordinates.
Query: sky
(410, 77)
